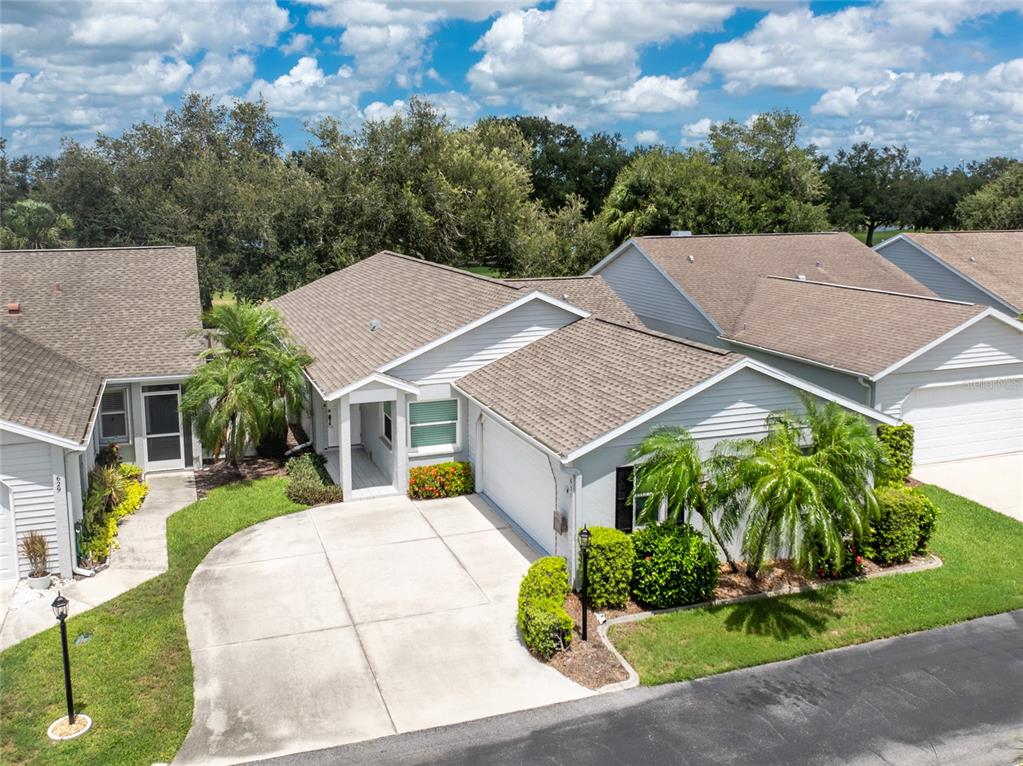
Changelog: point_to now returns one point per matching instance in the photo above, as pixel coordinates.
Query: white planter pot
(39, 583)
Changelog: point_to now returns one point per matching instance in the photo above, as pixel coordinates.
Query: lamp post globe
(60, 607)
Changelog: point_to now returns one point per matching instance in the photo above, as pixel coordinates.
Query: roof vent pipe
(374, 325)
(691, 259)
(564, 297)
(818, 264)
(801, 277)
(681, 233)
(13, 307)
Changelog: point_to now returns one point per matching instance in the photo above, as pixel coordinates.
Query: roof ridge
(660, 335)
(867, 289)
(91, 249)
(747, 234)
(550, 279)
(445, 267)
(964, 231)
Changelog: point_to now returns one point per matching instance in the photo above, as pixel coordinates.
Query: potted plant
(35, 548)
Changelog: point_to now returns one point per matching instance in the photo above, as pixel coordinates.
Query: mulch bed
(218, 474)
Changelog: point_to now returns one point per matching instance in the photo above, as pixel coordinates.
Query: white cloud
(697, 130)
(648, 137)
(457, 107)
(580, 57)
(299, 43)
(306, 90)
(218, 74)
(849, 47)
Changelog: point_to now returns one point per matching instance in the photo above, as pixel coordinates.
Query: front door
(165, 442)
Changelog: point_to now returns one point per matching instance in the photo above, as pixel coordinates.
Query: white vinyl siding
(484, 344)
(26, 467)
(655, 300)
(939, 278)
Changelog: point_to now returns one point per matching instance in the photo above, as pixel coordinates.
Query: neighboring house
(975, 266)
(94, 344)
(544, 385)
(829, 310)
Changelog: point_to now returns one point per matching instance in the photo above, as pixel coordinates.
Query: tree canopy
(996, 205)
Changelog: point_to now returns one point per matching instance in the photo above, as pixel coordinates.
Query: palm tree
(671, 472)
(33, 224)
(796, 499)
(252, 378)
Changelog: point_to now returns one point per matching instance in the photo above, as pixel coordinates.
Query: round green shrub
(906, 516)
(610, 567)
(928, 520)
(544, 624)
(673, 566)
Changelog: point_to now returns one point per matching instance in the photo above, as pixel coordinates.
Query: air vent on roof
(564, 297)
(13, 307)
(818, 264)
(690, 259)
(801, 277)
(374, 325)
(681, 233)
(973, 259)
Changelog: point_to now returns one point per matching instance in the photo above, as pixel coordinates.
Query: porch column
(400, 443)
(344, 454)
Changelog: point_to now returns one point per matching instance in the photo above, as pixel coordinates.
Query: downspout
(869, 385)
(554, 478)
(298, 448)
(575, 488)
(69, 504)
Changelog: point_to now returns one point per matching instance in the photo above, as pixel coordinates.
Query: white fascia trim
(972, 382)
(376, 377)
(509, 425)
(655, 411)
(823, 393)
(794, 357)
(992, 313)
(151, 378)
(527, 298)
(941, 262)
(43, 436)
(610, 256)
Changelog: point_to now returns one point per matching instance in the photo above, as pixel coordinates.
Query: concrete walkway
(141, 556)
(995, 481)
(358, 620)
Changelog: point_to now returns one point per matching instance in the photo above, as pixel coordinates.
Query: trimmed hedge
(308, 481)
(674, 565)
(610, 567)
(544, 624)
(903, 526)
(449, 479)
(897, 442)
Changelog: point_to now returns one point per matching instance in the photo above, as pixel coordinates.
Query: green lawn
(879, 236)
(224, 298)
(134, 677)
(982, 575)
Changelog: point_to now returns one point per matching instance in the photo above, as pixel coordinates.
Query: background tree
(33, 224)
(996, 205)
(870, 187)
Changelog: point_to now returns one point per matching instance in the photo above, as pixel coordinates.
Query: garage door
(517, 479)
(963, 421)
(8, 555)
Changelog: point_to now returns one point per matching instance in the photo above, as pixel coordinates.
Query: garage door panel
(962, 421)
(517, 478)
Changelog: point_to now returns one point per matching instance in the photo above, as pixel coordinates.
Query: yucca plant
(35, 548)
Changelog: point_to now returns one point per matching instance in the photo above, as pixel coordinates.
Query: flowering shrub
(106, 504)
(850, 564)
(440, 480)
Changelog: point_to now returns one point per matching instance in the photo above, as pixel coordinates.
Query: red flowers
(440, 480)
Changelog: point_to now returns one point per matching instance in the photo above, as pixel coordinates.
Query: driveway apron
(355, 621)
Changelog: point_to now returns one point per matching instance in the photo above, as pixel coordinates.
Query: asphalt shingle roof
(590, 293)
(414, 301)
(992, 259)
(86, 315)
(725, 268)
(44, 390)
(854, 329)
(590, 377)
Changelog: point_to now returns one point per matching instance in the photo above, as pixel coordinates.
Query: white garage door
(8, 548)
(963, 421)
(517, 478)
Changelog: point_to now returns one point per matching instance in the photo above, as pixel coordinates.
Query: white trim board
(908, 238)
(43, 436)
(527, 298)
(376, 377)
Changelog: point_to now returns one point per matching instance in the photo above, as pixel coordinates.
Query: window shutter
(623, 488)
(433, 412)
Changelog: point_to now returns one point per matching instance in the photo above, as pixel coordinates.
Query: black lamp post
(584, 546)
(60, 609)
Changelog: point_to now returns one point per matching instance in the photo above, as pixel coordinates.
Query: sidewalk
(142, 555)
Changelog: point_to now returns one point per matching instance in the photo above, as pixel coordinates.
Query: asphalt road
(947, 696)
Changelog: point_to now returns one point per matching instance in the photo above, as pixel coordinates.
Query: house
(831, 311)
(543, 385)
(94, 344)
(974, 266)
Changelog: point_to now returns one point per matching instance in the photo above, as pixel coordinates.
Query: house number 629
(57, 482)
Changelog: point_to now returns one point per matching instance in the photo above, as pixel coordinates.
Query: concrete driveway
(995, 481)
(359, 620)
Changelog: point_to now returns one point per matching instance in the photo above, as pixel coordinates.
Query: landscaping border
(921, 564)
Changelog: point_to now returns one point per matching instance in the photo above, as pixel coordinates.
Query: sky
(943, 77)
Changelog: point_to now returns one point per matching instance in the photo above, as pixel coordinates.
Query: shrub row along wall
(115, 490)
(308, 481)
